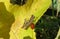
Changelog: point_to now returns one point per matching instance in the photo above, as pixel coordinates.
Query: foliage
(47, 27)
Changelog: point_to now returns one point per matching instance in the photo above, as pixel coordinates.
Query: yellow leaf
(22, 13)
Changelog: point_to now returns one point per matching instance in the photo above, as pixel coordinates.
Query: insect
(18, 2)
(28, 23)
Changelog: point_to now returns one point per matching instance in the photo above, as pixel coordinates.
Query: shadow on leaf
(6, 20)
(27, 37)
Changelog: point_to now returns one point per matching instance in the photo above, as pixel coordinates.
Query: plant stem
(57, 9)
(52, 7)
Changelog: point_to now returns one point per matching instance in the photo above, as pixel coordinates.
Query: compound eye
(18, 2)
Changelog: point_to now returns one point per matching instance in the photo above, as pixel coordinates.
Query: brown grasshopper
(28, 22)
